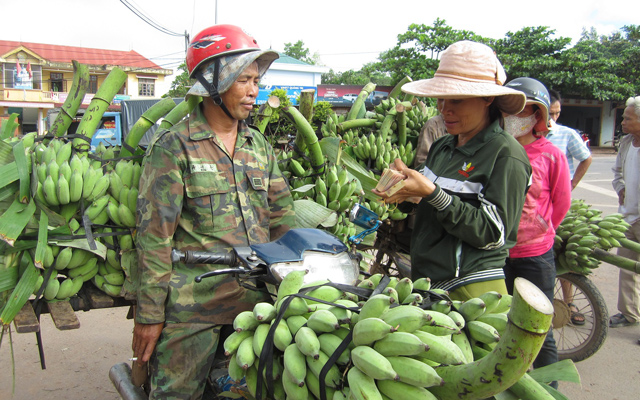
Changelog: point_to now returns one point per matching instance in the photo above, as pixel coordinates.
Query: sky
(345, 34)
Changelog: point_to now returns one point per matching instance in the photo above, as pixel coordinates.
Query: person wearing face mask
(469, 192)
(547, 202)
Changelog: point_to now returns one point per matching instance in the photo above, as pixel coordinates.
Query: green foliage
(368, 73)
(321, 111)
(299, 52)
(181, 83)
(417, 51)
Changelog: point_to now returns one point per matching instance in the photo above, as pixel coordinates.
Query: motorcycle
(322, 254)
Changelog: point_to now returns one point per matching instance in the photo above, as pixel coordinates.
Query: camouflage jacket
(193, 196)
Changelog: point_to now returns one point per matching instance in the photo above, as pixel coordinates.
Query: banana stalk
(358, 105)
(401, 121)
(355, 124)
(529, 320)
(263, 116)
(616, 260)
(630, 244)
(180, 111)
(144, 123)
(397, 89)
(305, 134)
(74, 99)
(306, 103)
(101, 100)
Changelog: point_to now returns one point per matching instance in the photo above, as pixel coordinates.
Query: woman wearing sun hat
(471, 189)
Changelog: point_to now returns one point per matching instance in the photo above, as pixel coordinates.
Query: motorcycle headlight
(337, 268)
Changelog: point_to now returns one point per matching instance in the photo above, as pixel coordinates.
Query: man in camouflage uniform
(209, 183)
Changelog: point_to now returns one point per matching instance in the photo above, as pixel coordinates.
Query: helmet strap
(212, 89)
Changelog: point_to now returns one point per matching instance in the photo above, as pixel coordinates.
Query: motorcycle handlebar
(203, 257)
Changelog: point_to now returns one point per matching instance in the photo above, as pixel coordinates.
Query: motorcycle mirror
(363, 217)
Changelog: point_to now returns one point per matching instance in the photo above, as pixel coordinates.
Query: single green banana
(362, 386)
(231, 343)
(441, 349)
(415, 372)
(400, 344)
(369, 330)
(322, 321)
(406, 318)
(295, 363)
(307, 342)
(396, 390)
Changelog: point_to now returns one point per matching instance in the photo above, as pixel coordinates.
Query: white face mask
(517, 126)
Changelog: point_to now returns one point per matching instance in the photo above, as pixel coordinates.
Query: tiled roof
(84, 55)
(285, 59)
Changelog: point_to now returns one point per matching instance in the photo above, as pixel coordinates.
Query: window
(93, 84)
(56, 82)
(22, 76)
(146, 87)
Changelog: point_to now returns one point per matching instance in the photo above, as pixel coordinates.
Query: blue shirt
(570, 142)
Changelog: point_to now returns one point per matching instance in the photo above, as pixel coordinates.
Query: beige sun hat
(469, 69)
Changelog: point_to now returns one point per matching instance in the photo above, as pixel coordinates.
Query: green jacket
(463, 230)
(193, 196)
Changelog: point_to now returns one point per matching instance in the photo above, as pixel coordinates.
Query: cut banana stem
(74, 99)
(529, 320)
(306, 134)
(616, 260)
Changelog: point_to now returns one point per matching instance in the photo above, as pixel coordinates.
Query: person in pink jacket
(547, 202)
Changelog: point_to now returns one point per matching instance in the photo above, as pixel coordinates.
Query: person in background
(626, 175)
(432, 130)
(547, 202)
(471, 189)
(571, 143)
(209, 183)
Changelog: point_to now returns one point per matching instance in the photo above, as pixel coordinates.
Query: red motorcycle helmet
(216, 41)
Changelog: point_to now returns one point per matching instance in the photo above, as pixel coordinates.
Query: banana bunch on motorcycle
(75, 185)
(582, 230)
(385, 346)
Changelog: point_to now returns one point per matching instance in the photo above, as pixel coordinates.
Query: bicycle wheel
(579, 342)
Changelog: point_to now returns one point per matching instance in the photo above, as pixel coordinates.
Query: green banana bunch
(582, 230)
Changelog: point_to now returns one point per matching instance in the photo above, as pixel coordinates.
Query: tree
(181, 83)
(417, 53)
(531, 52)
(602, 67)
(368, 73)
(299, 52)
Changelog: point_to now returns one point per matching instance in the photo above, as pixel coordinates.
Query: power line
(148, 20)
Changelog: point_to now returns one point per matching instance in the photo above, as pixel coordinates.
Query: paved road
(78, 361)
(613, 373)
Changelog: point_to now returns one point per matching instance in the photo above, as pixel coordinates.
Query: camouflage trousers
(180, 364)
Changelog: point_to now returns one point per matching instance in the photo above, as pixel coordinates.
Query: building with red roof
(37, 77)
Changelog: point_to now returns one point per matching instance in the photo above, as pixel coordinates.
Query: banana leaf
(8, 278)
(8, 174)
(100, 250)
(21, 292)
(6, 153)
(14, 220)
(9, 126)
(23, 165)
(310, 214)
(41, 247)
